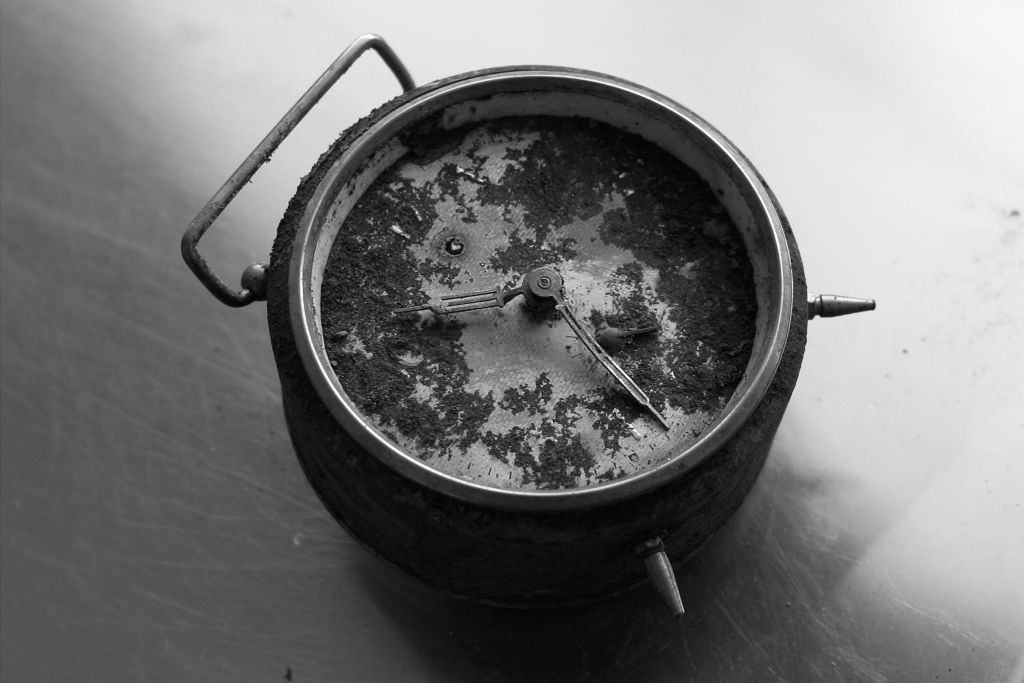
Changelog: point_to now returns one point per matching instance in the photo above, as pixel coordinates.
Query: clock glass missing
(510, 397)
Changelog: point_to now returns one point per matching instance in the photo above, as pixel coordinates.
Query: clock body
(486, 452)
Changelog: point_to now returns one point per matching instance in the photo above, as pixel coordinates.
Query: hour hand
(468, 301)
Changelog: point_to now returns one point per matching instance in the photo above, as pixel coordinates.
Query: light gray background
(155, 524)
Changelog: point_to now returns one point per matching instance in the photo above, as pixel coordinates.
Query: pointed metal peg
(659, 571)
(831, 306)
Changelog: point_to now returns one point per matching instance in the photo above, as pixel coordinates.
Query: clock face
(510, 396)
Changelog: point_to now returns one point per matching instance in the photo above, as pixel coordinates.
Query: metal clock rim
(313, 353)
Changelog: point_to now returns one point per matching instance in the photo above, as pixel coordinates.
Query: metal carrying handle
(254, 277)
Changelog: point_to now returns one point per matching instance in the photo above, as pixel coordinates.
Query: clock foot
(831, 306)
(659, 571)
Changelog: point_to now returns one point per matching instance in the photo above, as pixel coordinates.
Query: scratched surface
(154, 524)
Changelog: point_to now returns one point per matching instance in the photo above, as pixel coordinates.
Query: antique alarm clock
(535, 328)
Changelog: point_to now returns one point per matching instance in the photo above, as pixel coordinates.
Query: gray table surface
(155, 524)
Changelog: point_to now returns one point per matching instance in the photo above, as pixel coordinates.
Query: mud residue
(687, 271)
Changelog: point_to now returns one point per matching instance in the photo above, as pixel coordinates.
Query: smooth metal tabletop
(155, 524)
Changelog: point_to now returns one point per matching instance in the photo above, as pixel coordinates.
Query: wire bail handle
(254, 277)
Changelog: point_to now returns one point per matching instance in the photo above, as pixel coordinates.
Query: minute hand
(603, 358)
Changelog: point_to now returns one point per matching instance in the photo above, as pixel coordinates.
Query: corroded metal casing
(530, 548)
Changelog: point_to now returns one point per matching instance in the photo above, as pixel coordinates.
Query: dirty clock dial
(539, 303)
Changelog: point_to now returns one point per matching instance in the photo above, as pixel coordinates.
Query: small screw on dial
(454, 246)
